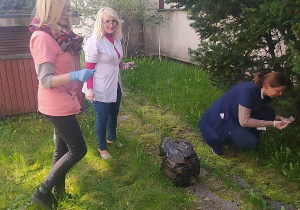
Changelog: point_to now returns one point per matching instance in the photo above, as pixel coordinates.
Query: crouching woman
(237, 117)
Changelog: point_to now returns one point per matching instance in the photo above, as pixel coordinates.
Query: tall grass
(184, 88)
(187, 91)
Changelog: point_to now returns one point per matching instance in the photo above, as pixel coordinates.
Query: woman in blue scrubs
(238, 115)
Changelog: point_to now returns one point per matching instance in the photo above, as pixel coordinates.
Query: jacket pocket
(100, 83)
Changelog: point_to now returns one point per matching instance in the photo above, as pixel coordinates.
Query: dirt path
(149, 124)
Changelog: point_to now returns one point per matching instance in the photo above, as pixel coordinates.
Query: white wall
(174, 36)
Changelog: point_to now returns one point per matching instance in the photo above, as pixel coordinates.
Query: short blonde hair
(98, 31)
(49, 13)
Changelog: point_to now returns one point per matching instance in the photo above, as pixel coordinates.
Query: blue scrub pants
(242, 137)
(106, 118)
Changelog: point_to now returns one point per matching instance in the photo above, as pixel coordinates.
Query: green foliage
(278, 151)
(295, 56)
(241, 37)
(27, 5)
(257, 200)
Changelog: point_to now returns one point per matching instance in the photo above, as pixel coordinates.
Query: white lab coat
(107, 74)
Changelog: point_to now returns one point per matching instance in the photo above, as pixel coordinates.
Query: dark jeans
(106, 118)
(247, 138)
(70, 148)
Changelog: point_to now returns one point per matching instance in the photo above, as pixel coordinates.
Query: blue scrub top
(217, 130)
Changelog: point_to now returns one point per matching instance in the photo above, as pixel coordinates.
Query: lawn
(130, 180)
(273, 168)
(161, 99)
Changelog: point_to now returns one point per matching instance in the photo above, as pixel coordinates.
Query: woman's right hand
(280, 124)
(126, 66)
(89, 95)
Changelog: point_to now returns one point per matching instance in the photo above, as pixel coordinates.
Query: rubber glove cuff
(82, 75)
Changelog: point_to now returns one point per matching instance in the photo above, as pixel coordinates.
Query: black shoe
(217, 151)
(47, 199)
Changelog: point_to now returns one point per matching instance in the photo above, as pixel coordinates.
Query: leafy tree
(134, 13)
(295, 48)
(27, 5)
(241, 37)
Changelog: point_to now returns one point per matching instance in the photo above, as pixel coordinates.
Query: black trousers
(70, 148)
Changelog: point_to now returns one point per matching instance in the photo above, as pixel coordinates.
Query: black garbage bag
(179, 161)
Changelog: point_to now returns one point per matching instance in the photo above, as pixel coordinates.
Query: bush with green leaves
(242, 37)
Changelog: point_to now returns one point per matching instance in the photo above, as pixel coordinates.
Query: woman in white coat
(103, 52)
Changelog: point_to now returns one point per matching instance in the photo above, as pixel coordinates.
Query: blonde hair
(49, 13)
(98, 31)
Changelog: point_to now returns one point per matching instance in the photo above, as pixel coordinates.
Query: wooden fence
(19, 85)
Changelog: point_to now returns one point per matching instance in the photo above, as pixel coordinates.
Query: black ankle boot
(47, 199)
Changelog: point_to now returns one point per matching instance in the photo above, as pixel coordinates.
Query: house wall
(173, 37)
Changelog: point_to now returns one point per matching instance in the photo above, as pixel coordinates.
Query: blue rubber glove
(82, 75)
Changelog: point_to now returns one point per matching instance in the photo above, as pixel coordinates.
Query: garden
(167, 98)
(132, 178)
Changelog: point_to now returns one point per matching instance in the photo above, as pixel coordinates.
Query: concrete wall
(172, 38)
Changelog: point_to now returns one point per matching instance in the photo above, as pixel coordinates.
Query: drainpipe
(159, 43)
(160, 6)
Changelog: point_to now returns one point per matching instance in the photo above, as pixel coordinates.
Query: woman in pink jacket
(53, 46)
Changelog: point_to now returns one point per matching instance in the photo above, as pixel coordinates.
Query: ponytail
(259, 79)
(274, 79)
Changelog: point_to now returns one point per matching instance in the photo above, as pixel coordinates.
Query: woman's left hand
(126, 66)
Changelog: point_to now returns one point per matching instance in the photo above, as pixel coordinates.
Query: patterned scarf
(68, 41)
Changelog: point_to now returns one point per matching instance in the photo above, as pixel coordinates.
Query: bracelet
(274, 123)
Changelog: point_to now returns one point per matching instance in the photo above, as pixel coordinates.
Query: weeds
(257, 200)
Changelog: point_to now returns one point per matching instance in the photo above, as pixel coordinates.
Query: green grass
(165, 98)
(129, 180)
(186, 90)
